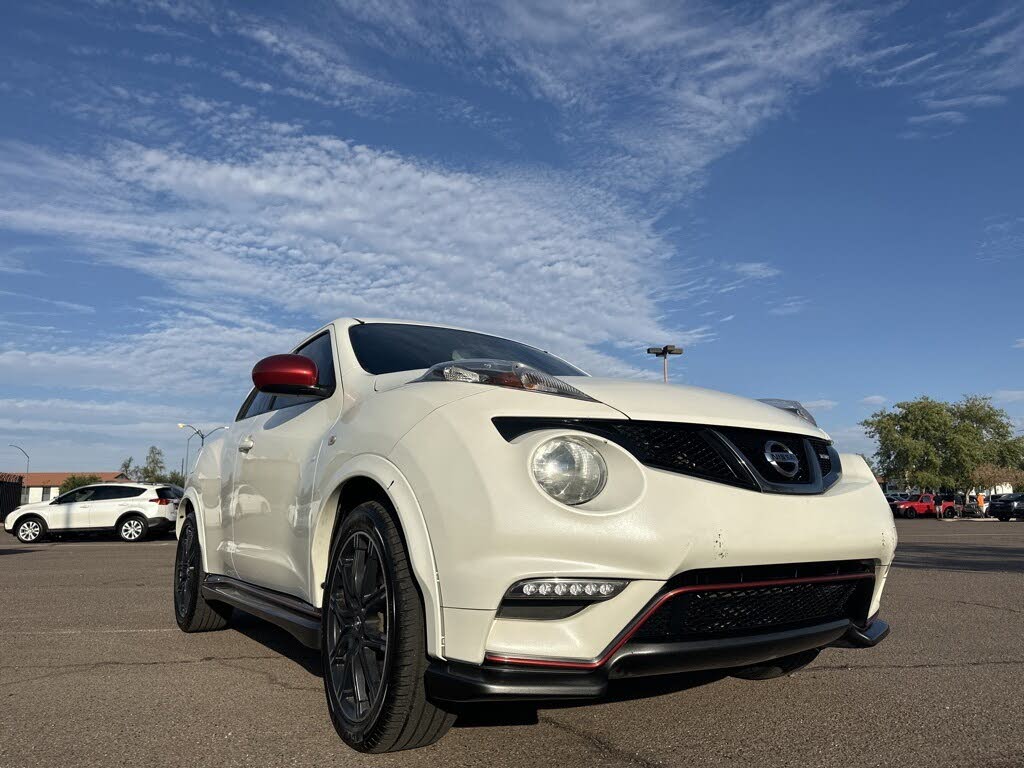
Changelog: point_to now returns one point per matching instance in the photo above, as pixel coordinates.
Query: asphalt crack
(955, 665)
(597, 744)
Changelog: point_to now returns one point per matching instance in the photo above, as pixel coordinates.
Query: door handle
(246, 445)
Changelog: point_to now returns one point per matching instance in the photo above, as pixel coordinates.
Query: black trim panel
(459, 682)
(298, 618)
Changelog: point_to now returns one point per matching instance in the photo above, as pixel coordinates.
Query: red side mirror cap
(287, 375)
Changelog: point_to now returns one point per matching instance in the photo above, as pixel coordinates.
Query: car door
(112, 501)
(71, 510)
(275, 463)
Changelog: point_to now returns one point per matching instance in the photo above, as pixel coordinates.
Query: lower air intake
(708, 613)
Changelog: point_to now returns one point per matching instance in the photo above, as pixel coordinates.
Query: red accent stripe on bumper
(616, 645)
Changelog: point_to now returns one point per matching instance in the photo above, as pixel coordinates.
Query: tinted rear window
(171, 492)
(390, 347)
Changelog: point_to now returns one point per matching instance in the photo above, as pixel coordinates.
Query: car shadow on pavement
(511, 714)
(277, 640)
(966, 557)
(476, 716)
(16, 550)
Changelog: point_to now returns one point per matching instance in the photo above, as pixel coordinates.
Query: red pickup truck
(922, 504)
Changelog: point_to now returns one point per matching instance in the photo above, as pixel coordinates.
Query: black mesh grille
(824, 458)
(750, 610)
(676, 447)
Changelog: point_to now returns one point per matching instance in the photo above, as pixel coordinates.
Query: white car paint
(475, 521)
(68, 513)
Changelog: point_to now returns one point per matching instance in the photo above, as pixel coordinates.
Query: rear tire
(192, 611)
(132, 528)
(373, 639)
(30, 530)
(770, 670)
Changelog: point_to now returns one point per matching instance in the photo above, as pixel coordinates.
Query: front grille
(677, 448)
(748, 610)
(700, 450)
(752, 443)
(821, 452)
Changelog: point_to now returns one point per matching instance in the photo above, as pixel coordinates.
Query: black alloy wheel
(186, 571)
(359, 616)
(192, 611)
(373, 641)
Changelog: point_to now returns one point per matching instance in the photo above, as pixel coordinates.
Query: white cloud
(789, 306)
(1008, 395)
(756, 270)
(971, 67)
(649, 93)
(819, 405)
(874, 400)
(852, 439)
(319, 227)
(1019, 344)
(955, 118)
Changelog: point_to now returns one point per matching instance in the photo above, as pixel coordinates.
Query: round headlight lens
(570, 470)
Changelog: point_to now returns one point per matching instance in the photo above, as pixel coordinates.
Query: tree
(130, 469)
(77, 481)
(912, 442)
(174, 477)
(153, 470)
(932, 444)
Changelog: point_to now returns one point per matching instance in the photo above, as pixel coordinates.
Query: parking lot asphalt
(94, 672)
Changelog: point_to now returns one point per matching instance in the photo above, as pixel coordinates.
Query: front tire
(30, 530)
(133, 528)
(192, 611)
(373, 639)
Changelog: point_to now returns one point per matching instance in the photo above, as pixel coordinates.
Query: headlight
(502, 373)
(569, 470)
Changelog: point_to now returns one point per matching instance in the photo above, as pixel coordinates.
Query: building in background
(43, 486)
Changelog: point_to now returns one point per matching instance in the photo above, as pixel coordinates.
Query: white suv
(130, 509)
(452, 517)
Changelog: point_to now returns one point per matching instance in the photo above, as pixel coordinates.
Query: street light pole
(663, 353)
(202, 437)
(27, 460)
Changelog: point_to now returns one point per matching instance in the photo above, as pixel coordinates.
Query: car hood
(35, 506)
(656, 401)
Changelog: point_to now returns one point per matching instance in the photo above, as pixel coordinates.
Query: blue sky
(821, 201)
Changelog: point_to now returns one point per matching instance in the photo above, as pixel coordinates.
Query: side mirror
(287, 375)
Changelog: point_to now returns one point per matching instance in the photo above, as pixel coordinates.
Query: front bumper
(457, 682)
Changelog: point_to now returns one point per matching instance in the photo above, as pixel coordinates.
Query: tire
(30, 530)
(373, 639)
(192, 611)
(770, 670)
(132, 528)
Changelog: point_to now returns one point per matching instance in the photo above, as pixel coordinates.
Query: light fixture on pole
(202, 437)
(27, 460)
(663, 353)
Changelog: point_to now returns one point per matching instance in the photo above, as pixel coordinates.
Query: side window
(88, 494)
(102, 493)
(320, 351)
(255, 404)
(112, 492)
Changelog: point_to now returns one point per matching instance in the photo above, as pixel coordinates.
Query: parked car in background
(454, 518)
(130, 509)
(918, 505)
(1007, 505)
(948, 504)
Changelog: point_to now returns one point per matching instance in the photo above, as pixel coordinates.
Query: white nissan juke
(452, 517)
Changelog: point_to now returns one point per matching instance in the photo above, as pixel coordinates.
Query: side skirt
(298, 618)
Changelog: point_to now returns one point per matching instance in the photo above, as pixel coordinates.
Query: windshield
(390, 347)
